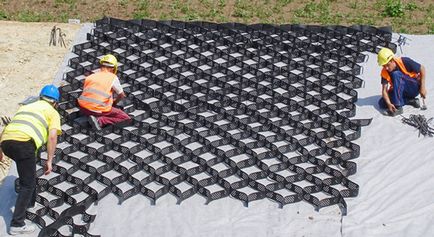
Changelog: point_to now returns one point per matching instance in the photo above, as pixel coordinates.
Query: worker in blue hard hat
(32, 126)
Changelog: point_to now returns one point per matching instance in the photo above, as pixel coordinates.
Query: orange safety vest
(386, 75)
(97, 92)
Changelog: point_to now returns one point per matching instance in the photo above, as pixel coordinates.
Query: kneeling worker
(33, 125)
(96, 100)
(402, 80)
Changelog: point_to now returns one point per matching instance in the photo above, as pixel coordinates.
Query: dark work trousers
(114, 116)
(24, 155)
(405, 88)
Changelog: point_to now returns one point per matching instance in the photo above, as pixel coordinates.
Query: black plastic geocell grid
(247, 111)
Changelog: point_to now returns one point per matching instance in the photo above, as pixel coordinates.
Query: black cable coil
(421, 123)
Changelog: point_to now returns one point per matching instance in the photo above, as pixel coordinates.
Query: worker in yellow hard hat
(96, 100)
(402, 81)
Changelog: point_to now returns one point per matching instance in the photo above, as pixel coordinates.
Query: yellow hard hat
(384, 56)
(109, 60)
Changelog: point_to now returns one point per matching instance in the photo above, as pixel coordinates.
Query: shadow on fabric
(8, 197)
(369, 101)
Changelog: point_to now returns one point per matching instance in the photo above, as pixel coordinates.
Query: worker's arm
(51, 147)
(1, 152)
(422, 89)
(119, 98)
(386, 98)
(118, 91)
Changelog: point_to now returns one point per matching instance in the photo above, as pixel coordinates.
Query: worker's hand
(48, 167)
(422, 92)
(391, 108)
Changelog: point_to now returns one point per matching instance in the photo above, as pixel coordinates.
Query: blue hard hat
(50, 91)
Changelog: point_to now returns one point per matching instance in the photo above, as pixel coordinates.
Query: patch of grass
(402, 30)
(430, 19)
(29, 16)
(419, 14)
(123, 3)
(159, 5)
(64, 17)
(284, 2)
(319, 13)
(399, 26)
(142, 10)
(184, 10)
(354, 4)
(191, 16)
(325, 16)
(222, 18)
(394, 8)
(336, 19)
(242, 9)
(175, 7)
(411, 6)
(430, 12)
(263, 13)
(295, 20)
(59, 3)
(211, 13)
(3, 15)
(369, 19)
(66, 1)
(221, 3)
(214, 11)
(307, 11)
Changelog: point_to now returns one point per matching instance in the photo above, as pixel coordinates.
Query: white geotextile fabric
(396, 167)
(395, 174)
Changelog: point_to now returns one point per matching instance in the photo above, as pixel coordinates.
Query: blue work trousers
(404, 89)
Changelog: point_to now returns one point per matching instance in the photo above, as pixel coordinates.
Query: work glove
(5, 120)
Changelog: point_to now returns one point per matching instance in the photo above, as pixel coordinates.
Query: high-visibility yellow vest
(30, 120)
(97, 92)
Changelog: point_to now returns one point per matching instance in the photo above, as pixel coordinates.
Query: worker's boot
(414, 102)
(26, 229)
(94, 122)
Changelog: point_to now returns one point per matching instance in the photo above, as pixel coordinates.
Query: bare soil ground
(406, 16)
(27, 63)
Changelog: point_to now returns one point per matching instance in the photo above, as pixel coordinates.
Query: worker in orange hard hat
(96, 100)
(402, 81)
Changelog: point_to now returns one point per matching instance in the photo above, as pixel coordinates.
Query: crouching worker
(402, 80)
(96, 100)
(33, 125)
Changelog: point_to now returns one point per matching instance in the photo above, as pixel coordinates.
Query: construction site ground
(28, 62)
